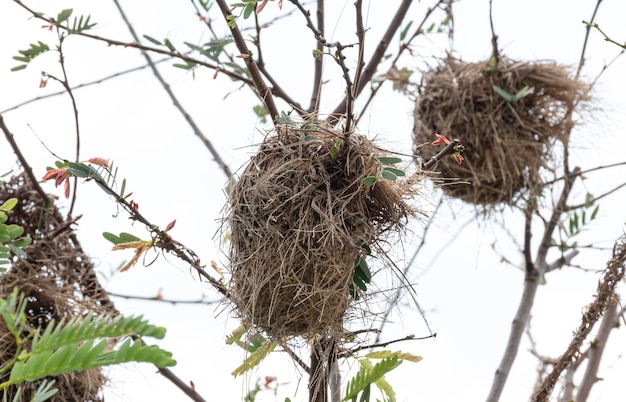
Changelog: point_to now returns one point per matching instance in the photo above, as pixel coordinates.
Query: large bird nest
(299, 216)
(507, 142)
(58, 281)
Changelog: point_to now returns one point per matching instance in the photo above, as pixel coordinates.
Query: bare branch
(352, 351)
(159, 298)
(593, 200)
(25, 165)
(609, 321)
(374, 61)
(197, 131)
(531, 284)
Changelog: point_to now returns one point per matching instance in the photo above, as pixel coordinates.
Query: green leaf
(248, 10)
(405, 31)
(383, 354)
(504, 94)
(387, 160)
(316, 53)
(18, 68)
(388, 175)
(365, 377)
(395, 171)
(595, 212)
(523, 93)
(9, 204)
(64, 15)
(154, 41)
(362, 270)
(127, 237)
(369, 180)
(335, 149)
(236, 335)
(112, 238)
(169, 45)
(255, 358)
(359, 282)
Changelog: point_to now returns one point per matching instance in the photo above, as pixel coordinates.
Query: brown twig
(197, 131)
(605, 297)
(377, 56)
(318, 63)
(449, 149)
(352, 351)
(277, 90)
(404, 46)
(160, 299)
(83, 85)
(135, 45)
(25, 165)
(259, 84)
(68, 89)
(339, 58)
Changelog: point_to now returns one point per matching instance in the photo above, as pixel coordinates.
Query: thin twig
(25, 165)
(259, 84)
(83, 85)
(135, 45)
(393, 300)
(318, 63)
(159, 298)
(360, 33)
(449, 149)
(65, 83)
(339, 58)
(352, 351)
(197, 131)
(403, 47)
(495, 53)
(377, 56)
(594, 199)
(277, 90)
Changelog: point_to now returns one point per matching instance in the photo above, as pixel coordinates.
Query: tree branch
(197, 131)
(531, 284)
(318, 63)
(25, 165)
(596, 350)
(374, 61)
(605, 297)
(262, 90)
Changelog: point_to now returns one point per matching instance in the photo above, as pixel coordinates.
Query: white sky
(469, 296)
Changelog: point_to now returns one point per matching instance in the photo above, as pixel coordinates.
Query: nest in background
(59, 282)
(507, 142)
(297, 217)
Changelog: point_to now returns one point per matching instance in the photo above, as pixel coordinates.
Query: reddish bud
(99, 161)
(441, 139)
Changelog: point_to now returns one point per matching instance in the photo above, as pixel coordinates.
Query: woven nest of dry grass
(296, 215)
(59, 281)
(507, 143)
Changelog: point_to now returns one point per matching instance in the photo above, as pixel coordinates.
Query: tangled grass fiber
(59, 282)
(299, 216)
(507, 142)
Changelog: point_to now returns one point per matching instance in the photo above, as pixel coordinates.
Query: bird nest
(300, 216)
(507, 118)
(58, 280)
